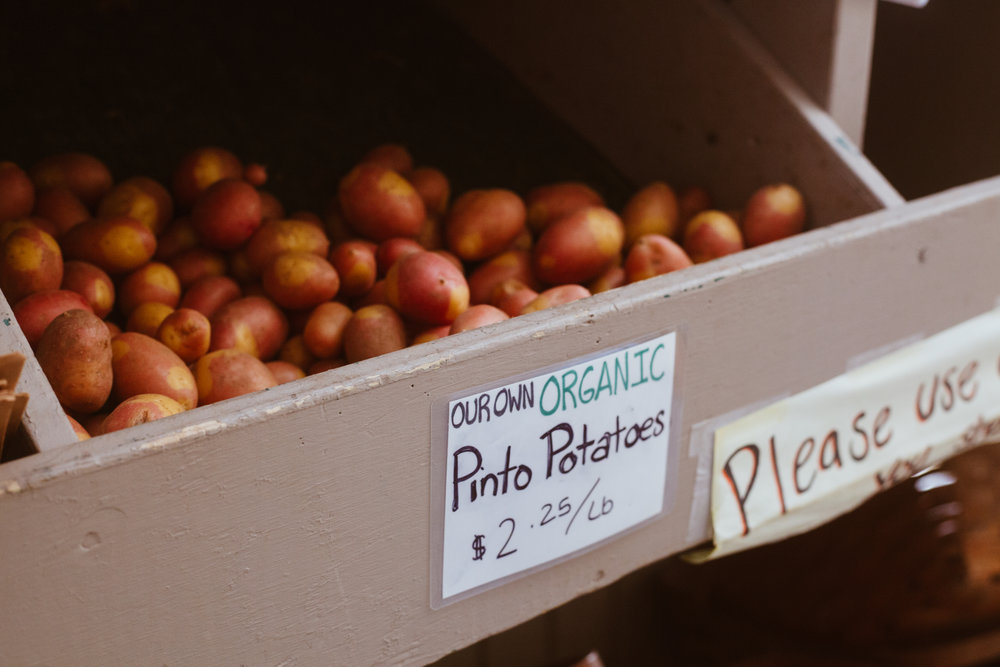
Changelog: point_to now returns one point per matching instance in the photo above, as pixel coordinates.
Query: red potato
(431, 235)
(485, 277)
(199, 169)
(483, 223)
(433, 187)
(255, 174)
(35, 311)
(7, 227)
(391, 156)
(376, 295)
(87, 176)
(711, 234)
(692, 200)
(271, 207)
(143, 365)
(613, 276)
(30, 261)
(511, 295)
(78, 428)
(239, 267)
(477, 316)
(426, 288)
(336, 227)
(147, 317)
(179, 235)
(74, 352)
(228, 373)
(432, 333)
(284, 372)
(299, 280)
(17, 192)
(61, 207)
(773, 212)
(139, 197)
(547, 203)
(378, 203)
(113, 328)
(373, 331)
(556, 296)
(388, 252)
(92, 283)
(252, 324)
(154, 281)
(209, 293)
(227, 213)
(653, 255)
(356, 265)
(187, 333)
(294, 351)
(94, 422)
(140, 409)
(196, 263)
(307, 216)
(578, 247)
(651, 210)
(118, 245)
(323, 334)
(274, 237)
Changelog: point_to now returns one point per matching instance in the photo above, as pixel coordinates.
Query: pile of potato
(142, 300)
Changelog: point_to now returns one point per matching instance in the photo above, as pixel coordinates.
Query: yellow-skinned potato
(653, 255)
(147, 317)
(373, 331)
(711, 234)
(773, 212)
(547, 203)
(477, 316)
(140, 409)
(92, 283)
(483, 223)
(142, 198)
(30, 261)
(228, 373)
(556, 296)
(35, 311)
(17, 192)
(84, 174)
(651, 210)
(274, 237)
(427, 288)
(118, 245)
(199, 169)
(379, 203)
(485, 277)
(323, 335)
(298, 280)
(143, 365)
(356, 265)
(154, 281)
(187, 333)
(578, 247)
(252, 324)
(75, 354)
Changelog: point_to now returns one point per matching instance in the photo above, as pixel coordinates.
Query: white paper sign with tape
(542, 467)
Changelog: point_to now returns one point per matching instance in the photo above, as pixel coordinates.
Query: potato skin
(153, 281)
(228, 373)
(30, 261)
(92, 283)
(142, 198)
(284, 371)
(711, 234)
(35, 311)
(379, 203)
(143, 365)
(209, 293)
(578, 247)
(277, 236)
(485, 277)
(651, 210)
(773, 212)
(477, 316)
(252, 324)
(140, 409)
(75, 354)
(653, 255)
(556, 296)
(147, 317)
(17, 192)
(323, 335)
(547, 203)
(187, 333)
(84, 174)
(433, 187)
(227, 213)
(373, 331)
(427, 288)
(511, 295)
(199, 169)
(297, 280)
(61, 207)
(356, 265)
(483, 223)
(118, 245)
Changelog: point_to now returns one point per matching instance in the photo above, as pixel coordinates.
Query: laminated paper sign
(538, 468)
(804, 460)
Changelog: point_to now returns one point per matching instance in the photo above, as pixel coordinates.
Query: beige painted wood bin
(292, 526)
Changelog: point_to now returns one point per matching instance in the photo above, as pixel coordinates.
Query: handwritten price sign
(542, 467)
(804, 460)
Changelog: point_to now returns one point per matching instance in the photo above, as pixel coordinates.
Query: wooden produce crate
(295, 524)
